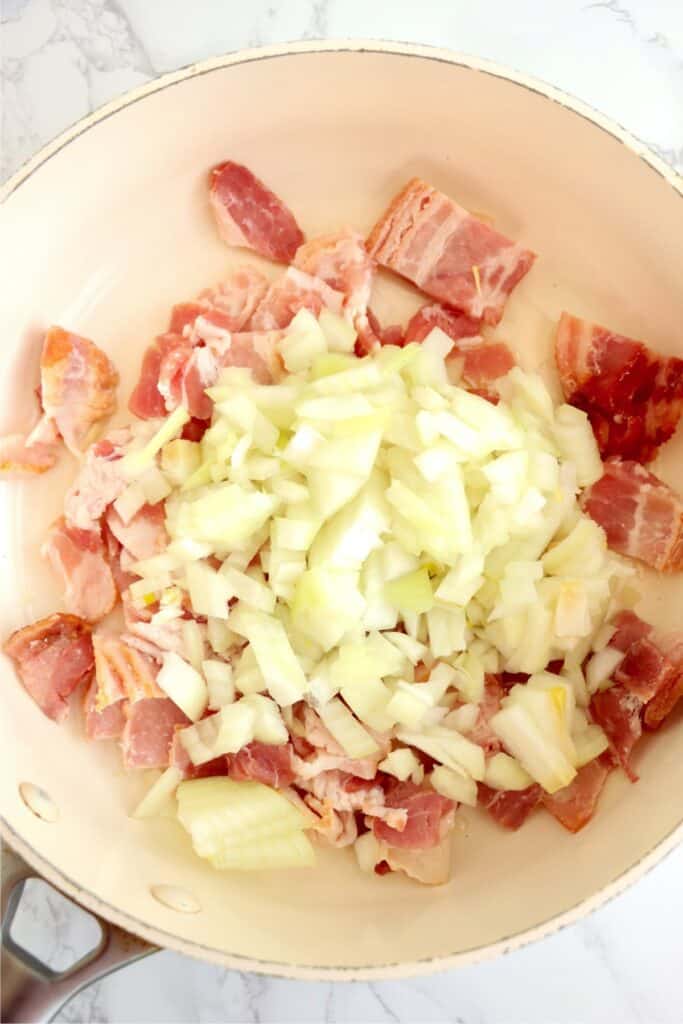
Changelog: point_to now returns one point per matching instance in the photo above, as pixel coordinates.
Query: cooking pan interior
(112, 229)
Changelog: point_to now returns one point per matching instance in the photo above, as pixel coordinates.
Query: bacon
(235, 299)
(99, 482)
(148, 732)
(671, 690)
(645, 670)
(641, 515)
(449, 254)
(248, 214)
(633, 396)
(20, 458)
(78, 558)
(345, 792)
(144, 535)
(510, 808)
(618, 712)
(146, 401)
(53, 657)
(257, 351)
(342, 262)
(262, 762)
(371, 334)
(293, 291)
(103, 725)
(179, 758)
(482, 733)
(122, 673)
(430, 867)
(574, 806)
(425, 810)
(456, 325)
(337, 828)
(77, 385)
(629, 628)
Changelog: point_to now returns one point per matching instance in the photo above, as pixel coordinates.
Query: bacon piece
(671, 691)
(146, 401)
(21, 458)
(78, 558)
(371, 334)
(257, 351)
(342, 262)
(148, 732)
(179, 758)
(144, 535)
(618, 712)
(641, 515)
(510, 808)
(337, 828)
(121, 672)
(293, 291)
(345, 792)
(430, 867)
(53, 657)
(449, 254)
(425, 810)
(99, 482)
(574, 806)
(103, 725)
(633, 396)
(456, 325)
(645, 670)
(629, 628)
(248, 214)
(262, 762)
(77, 386)
(237, 298)
(482, 733)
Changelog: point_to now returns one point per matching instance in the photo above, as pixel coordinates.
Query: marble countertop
(61, 59)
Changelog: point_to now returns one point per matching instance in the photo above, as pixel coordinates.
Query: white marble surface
(63, 58)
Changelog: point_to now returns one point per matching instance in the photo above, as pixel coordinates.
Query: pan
(102, 231)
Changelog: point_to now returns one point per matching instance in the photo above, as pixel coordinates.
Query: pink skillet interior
(112, 229)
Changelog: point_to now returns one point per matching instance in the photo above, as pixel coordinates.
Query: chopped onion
(347, 730)
(219, 682)
(504, 772)
(454, 785)
(158, 796)
(184, 685)
(402, 764)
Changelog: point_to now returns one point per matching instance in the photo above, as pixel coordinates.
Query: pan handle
(32, 993)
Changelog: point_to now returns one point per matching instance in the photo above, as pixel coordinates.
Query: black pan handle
(32, 993)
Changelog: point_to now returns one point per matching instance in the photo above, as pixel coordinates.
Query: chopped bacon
(482, 733)
(671, 691)
(78, 557)
(77, 386)
(236, 298)
(425, 810)
(262, 762)
(144, 535)
(449, 254)
(194, 429)
(121, 672)
(510, 808)
(456, 325)
(337, 828)
(293, 291)
(641, 515)
(345, 792)
(618, 712)
(633, 396)
(146, 401)
(103, 725)
(645, 670)
(342, 262)
(99, 482)
(179, 758)
(248, 214)
(20, 457)
(371, 334)
(430, 867)
(149, 730)
(257, 351)
(629, 628)
(574, 806)
(53, 657)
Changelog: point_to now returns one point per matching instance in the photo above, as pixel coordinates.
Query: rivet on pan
(175, 898)
(38, 801)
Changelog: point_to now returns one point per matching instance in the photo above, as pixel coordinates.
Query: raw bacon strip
(229, 306)
(144, 535)
(99, 482)
(52, 657)
(482, 733)
(103, 725)
(641, 515)
(78, 558)
(619, 713)
(249, 214)
(510, 808)
(262, 762)
(633, 396)
(293, 291)
(19, 458)
(668, 694)
(342, 262)
(645, 670)
(574, 806)
(77, 385)
(448, 253)
(121, 672)
(148, 732)
(629, 629)
(425, 811)
(146, 401)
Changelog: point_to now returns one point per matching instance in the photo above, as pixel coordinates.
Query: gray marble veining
(63, 58)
